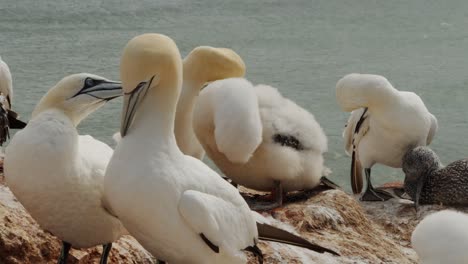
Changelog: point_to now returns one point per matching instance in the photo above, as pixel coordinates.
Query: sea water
(302, 47)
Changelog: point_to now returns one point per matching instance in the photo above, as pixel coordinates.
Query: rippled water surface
(300, 46)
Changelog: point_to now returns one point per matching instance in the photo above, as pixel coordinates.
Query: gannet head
(363, 90)
(206, 64)
(149, 62)
(78, 95)
(417, 164)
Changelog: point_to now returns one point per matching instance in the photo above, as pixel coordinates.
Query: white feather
(442, 238)
(234, 111)
(58, 176)
(164, 198)
(395, 120)
(235, 100)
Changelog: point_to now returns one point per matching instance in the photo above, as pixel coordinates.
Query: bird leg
(276, 195)
(371, 194)
(64, 252)
(105, 253)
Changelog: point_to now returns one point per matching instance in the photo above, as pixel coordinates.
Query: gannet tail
(268, 232)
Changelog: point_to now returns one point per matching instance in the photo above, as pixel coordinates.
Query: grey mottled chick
(427, 181)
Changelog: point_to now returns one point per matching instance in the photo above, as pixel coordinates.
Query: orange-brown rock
(367, 232)
(22, 241)
(338, 221)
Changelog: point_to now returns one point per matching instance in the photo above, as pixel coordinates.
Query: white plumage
(390, 122)
(6, 84)
(57, 174)
(257, 137)
(442, 238)
(202, 65)
(8, 118)
(165, 199)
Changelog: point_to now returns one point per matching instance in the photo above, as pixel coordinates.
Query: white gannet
(8, 118)
(442, 238)
(179, 209)
(258, 138)
(202, 65)
(56, 174)
(383, 125)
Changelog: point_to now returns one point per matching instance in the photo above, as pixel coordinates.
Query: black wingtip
(329, 183)
(15, 123)
(209, 243)
(270, 233)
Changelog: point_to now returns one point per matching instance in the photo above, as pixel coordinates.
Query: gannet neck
(207, 64)
(151, 60)
(78, 95)
(365, 90)
(184, 113)
(155, 116)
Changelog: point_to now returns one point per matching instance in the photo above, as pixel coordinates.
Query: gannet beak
(131, 102)
(419, 187)
(105, 90)
(205, 85)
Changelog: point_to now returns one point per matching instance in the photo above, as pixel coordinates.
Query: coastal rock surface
(22, 241)
(377, 232)
(359, 232)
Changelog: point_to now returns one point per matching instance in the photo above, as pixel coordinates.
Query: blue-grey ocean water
(300, 46)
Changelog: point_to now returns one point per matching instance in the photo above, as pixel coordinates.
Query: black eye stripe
(90, 82)
(90, 85)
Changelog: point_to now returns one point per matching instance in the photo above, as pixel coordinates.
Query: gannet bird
(442, 238)
(258, 138)
(8, 118)
(383, 125)
(427, 181)
(179, 209)
(56, 174)
(201, 66)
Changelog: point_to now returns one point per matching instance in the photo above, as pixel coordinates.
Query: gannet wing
(433, 130)
(221, 224)
(95, 154)
(237, 123)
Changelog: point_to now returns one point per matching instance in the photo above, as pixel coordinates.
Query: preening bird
(384, 123)
(56, 174)
(8, 118)
(258, 138)
(201, 66)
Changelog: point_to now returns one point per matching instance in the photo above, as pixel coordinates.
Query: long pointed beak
(130, 104)
(106, 90)
(419, 187)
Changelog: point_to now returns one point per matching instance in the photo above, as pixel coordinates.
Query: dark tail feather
(256, 251)
(329, 183)
(15, 123)
(270, 233)
(356, 174)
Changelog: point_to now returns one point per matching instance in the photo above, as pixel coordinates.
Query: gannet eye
(89, 82)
